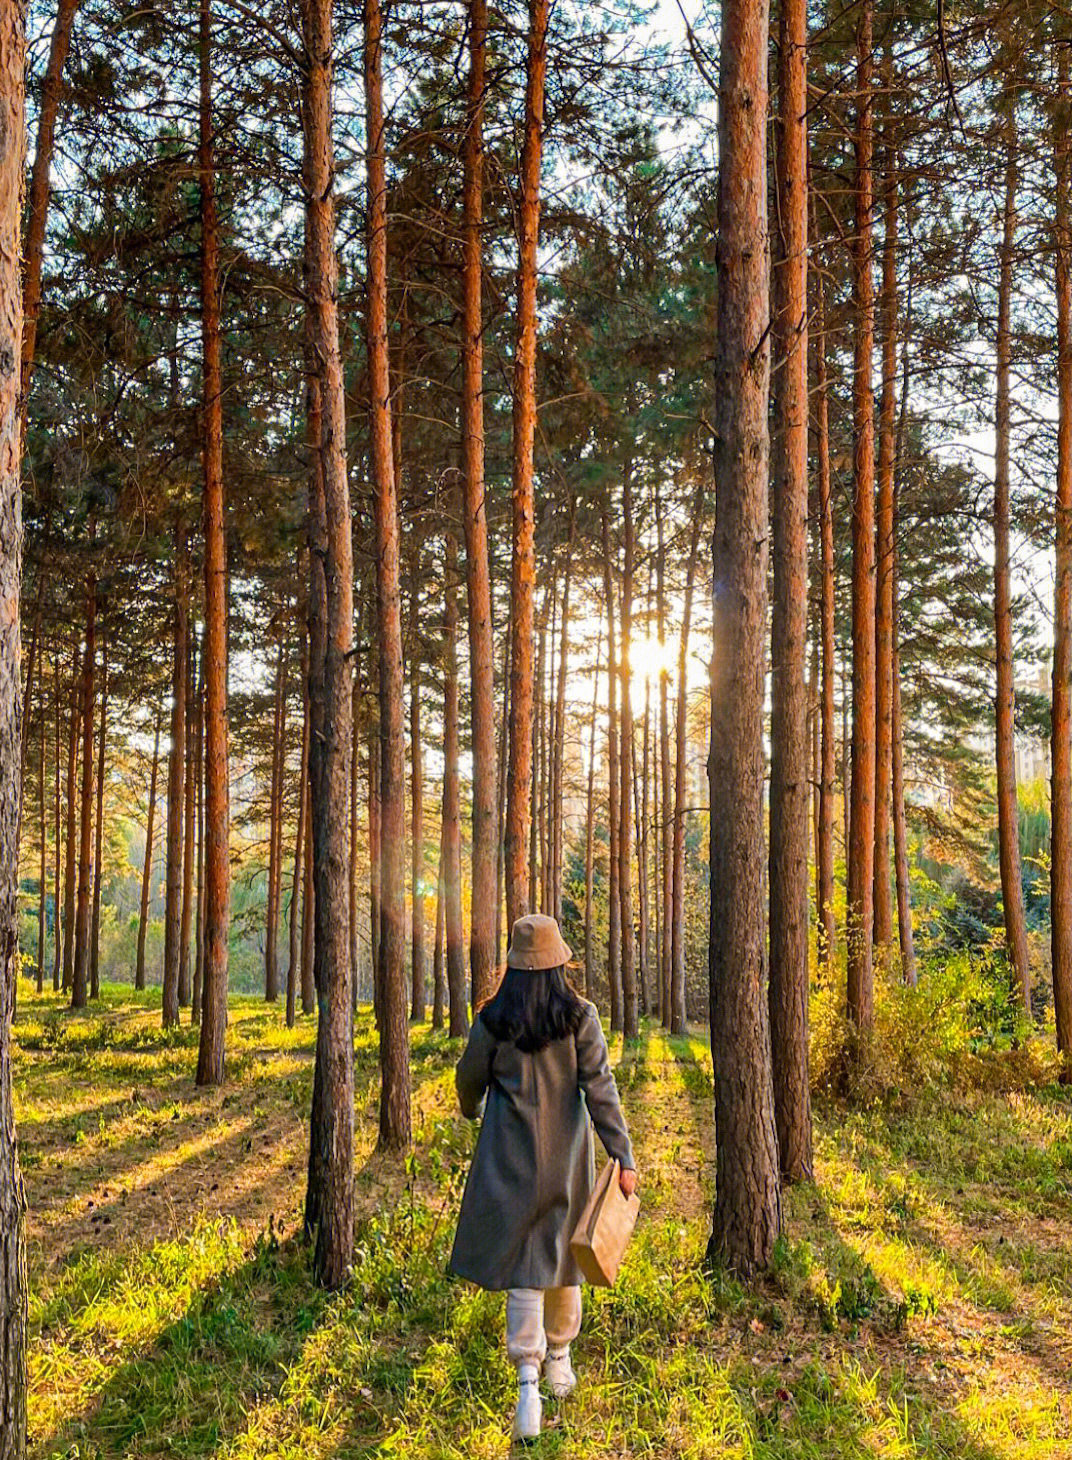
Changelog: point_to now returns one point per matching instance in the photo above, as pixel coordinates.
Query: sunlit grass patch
(920, 1305)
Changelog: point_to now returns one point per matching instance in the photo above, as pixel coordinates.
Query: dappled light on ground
(921, 1304)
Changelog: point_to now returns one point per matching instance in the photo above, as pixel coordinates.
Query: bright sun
(648, 659)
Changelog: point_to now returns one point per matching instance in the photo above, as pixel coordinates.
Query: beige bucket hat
(537, 943)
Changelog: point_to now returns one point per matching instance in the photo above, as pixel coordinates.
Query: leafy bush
(962, 1007)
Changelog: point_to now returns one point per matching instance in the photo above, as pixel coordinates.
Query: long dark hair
(533, 1008)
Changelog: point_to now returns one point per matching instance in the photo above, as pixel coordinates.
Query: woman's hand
(627, 1180)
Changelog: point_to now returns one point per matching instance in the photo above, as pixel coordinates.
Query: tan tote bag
(598, 1245)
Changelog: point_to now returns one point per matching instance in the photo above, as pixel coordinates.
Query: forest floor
(921, 1304)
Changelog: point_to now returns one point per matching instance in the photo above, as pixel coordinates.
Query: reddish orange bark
(523, 562)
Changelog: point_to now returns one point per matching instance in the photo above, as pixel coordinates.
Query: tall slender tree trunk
(70, 872)
(536, 816)
(452, 841)
(641, 800)
(395, 1127)
(275, 823)
(614, 912)
(630, 1021)
(789, 786)
(147, 862)
(374, 860)
(329, 1209)
(98, 832)
(353, 887)
(57, 940)
(176, 777)
(308, 927)
(1061, 721)
(294, 931)
(747, 1212)
(199, 938)
(500, 810)
(861, 849)
(824, 855)
(478, 573)
(41, 895)
(210, 1060)
(885, 544)
(900, 827)
(523, 563)
(79, 984)
(13, 1296)
(663, 817)
(589, 829)
(439, 977)
(677, 935)
(558, 740)
(33, 249)
(1012, 892)
(418, 976)
(189, 834)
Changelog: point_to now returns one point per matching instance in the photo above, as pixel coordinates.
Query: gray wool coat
(534, 1166)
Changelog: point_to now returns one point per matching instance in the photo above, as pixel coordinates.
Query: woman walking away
(538, 1055)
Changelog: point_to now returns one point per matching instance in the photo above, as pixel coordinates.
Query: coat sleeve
(600, 1091)
(473, 1074)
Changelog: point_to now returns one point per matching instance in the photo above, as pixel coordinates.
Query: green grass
(920, 1304)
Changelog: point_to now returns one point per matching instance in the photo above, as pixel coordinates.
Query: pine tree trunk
(828, 726)
(884, 605)
(1061, 722)
(98, 832)
(861, 848)
(374, 861)
(478, 572)
(43, 842)
(641, 793)
(416, 751)
(523, 563)
(189, 835)
(210, 1061)
(677, 934)
(663, 816)
(500, 810)
(199, 941)
(439, 979)
(747, 1211)
(57, 937)
(300, 834)
(31, 670)
(558, 740)
(176, 776)
(789, 788)
(79, 985)
(308, 926)
(329, 1208)
(33, 249)
(614, 905)
(589, 829)
(70, 872)
(900, 828)
(395, 1127)
(13, 1297)
(147, 862)
(355, 834)
(275, 824)
(1012, 892)
(452, 843)
(539, 702)
(630, 1022)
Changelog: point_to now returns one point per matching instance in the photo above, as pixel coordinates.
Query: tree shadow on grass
(193, 1386)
